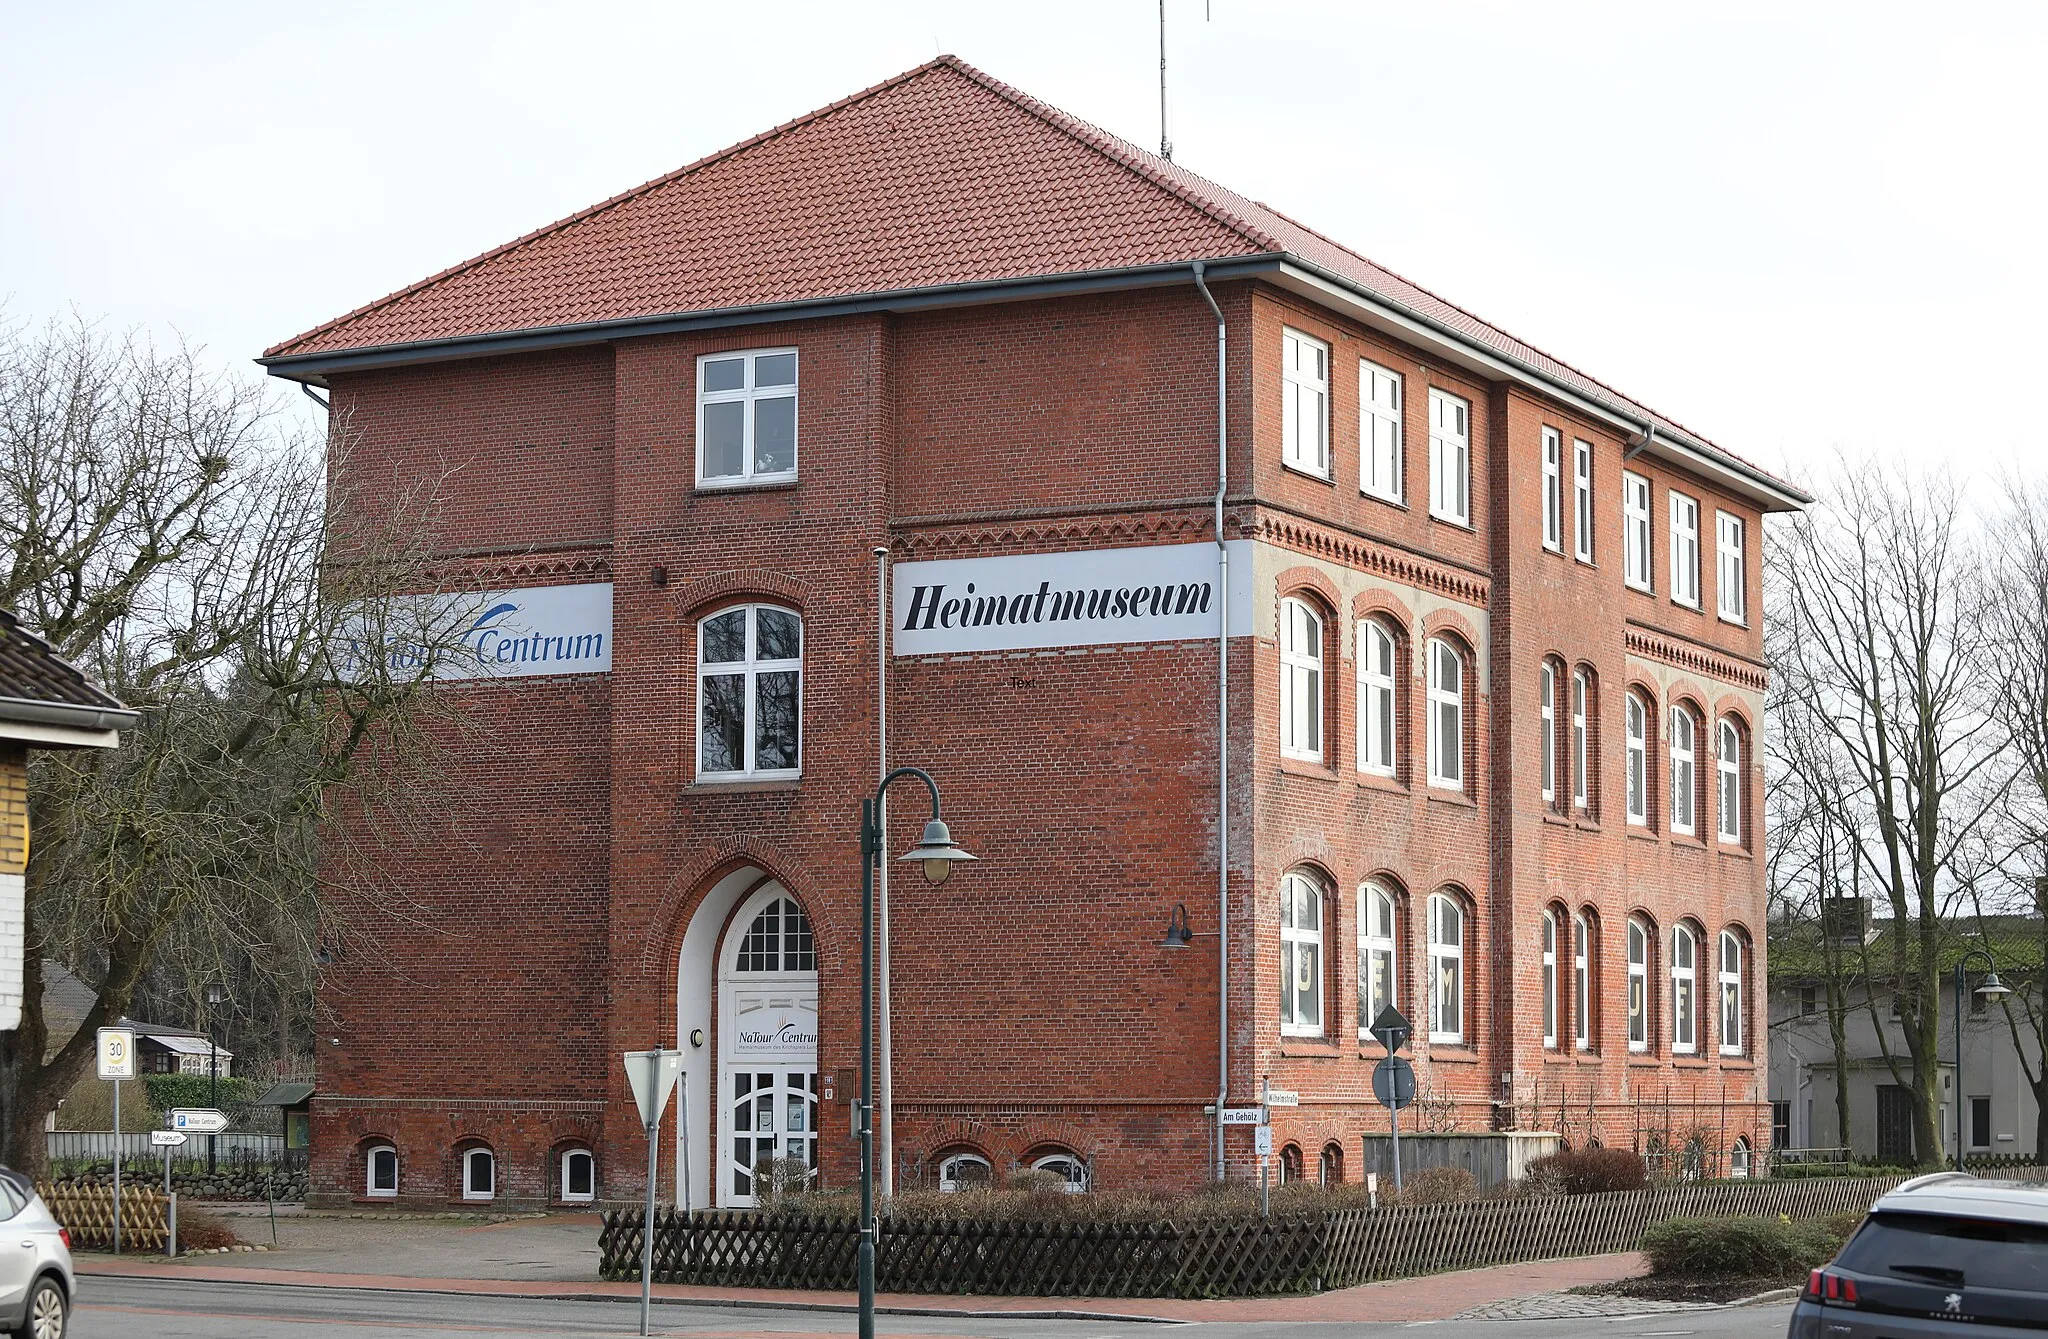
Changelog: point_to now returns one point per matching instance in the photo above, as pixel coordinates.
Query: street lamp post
(937, 854)
(1992, 989)
(216, 995)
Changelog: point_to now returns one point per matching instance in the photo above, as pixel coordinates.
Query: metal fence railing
(69, 1148)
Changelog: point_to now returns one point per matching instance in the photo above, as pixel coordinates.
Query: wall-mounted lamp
(1178, 935)
(697, 1037)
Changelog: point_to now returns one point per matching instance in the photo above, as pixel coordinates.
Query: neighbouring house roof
(2013, 943)
(45, 700)
(939, 181)
(285, 1095)
(180, 1042)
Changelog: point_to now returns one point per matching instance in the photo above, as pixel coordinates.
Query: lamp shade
(936, 852)
(1993, 988)
(1177, 932)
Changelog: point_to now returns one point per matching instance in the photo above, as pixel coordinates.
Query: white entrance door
(768, 1049)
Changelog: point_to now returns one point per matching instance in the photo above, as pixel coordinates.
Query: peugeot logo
(1954, 1301)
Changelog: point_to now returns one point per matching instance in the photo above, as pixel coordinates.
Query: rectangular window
(1731, 594)
(1581, 754)
(1553, 490)
(1582, 498)
(1305, 403)
(1980, 1122)
(1781, 1125)
(1450, 458)
(1446, 717)
(1379, 432)
(746, 417)
(1635, 530)
(1685, 549)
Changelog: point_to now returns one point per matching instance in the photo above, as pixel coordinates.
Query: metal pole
(117, 1166)
(171, 1246)
(647, 1224)
(683, 1137)
(212, 1096)
(1956, 1007)
(882, 862)
(1395, 1113)
(869, 847)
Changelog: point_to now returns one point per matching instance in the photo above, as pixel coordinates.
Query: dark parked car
(1947, 1254)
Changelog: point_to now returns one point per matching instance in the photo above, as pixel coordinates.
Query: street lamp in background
(1992, 989)
(937, 854)
(216, 995)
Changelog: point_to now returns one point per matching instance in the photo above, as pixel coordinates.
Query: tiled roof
(31, 672)
(937, 177)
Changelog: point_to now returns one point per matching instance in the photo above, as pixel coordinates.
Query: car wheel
(47, 1312)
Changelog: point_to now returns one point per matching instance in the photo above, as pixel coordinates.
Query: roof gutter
(35, 711)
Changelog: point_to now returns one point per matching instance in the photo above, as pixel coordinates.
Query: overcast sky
(1791, 226)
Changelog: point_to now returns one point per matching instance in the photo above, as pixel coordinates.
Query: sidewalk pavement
(1434, 1297)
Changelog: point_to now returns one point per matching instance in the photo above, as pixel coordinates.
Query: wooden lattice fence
(87, 1213)
(1232, 1257)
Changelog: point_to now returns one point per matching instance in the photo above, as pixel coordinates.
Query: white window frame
(949, 1171)
(1582, 499)
(1446, 705)
(749, 395)
(1582, 758)
(1450, 457)
(1638, 1003)
(1379, 432)
(1550, 996)
(1546, 716)
(1301, 680)
(370, 1186)
(1299, 943)
(1682, 745)
(469, 1157)
(1731, 993)
(1728, 769)
(1379, 699)
(1731, 569)
(1638, 533)
(1582, 982)
(1376, 925)
(1685, 549)
(1311, 455)
(1553, 490)
(1635, 729)
(749, 671)
(1071, 1168)
(574, 1197)
(1739, 1159)
(1446, 960)
(1685, 1004)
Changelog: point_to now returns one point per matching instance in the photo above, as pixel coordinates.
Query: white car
(36, 1283)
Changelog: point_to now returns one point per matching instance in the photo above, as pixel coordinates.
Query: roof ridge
(630, 193)
(1117, 149)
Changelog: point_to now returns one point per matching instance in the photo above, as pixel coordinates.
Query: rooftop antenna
(1165, 144)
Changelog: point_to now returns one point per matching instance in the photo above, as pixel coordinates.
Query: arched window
(1446, 715)
(1546, 712)
(1290, 1164)
(965, 1171)
(1731, 993)
(479, 1174)
(1446, 969)
(1738, 1158)
(1301, 680)
(1636, 730)
(1639, 940)
(579, 1175)
(1070, 1168)
(1377, 733)
(1582, 982)
(1376, 974)
(1330, 1168)
(1301, 956)
(381, 1168)
(1582, 752)
(778, 940)
(750, 693)
(1729, 766)
(1684, 1023)
(1683, 728)
(1549, 978)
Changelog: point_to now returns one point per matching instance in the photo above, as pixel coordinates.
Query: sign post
(168, 1140)
(1393, 1079)
(653, 1076)
(116, 1061)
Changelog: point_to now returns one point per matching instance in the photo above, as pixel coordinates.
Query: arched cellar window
(1290, 1164)
(1070, 1168)
(1330, 1168)
(479, 1174)
(1738, 1157)
(965, 1171)
(579, 1175)
(381, 1172)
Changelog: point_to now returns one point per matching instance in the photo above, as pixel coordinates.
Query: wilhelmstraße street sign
(1390, 1029)
(197, 1120)
(116, 1053)
(1282, 1097)
(1393, 1082)
(1244, 1116)
(167, 1138)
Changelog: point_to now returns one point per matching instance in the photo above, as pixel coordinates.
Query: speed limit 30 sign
(116, 1053)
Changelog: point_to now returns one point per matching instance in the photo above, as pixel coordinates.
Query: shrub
(199, 1230)
(1439, 1185)
(1748, 1247)
(193, 1090)
(1589, 1171)
(1793, 1171)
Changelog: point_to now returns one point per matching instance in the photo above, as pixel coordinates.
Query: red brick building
(1493, 684)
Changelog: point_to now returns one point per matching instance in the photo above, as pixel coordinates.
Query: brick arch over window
(679, 898)
(1310, 581)
(1451, 623)
(698, 597)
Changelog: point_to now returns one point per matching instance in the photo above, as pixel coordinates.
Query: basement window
(479, 1174)
(382, 1170)
(579, 1176)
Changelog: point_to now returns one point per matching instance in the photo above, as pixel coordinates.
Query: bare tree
(225, 577)
(1880, 650)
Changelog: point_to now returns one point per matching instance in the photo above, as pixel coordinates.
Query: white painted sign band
(491, 635)
(1089, 597)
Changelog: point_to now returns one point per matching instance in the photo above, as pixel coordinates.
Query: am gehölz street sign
(196, 1120)
(1244, 1116)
